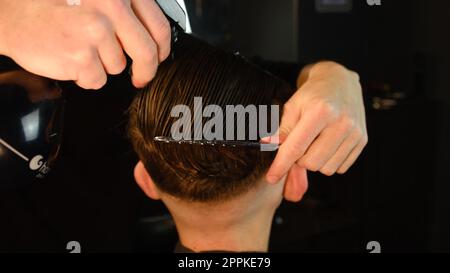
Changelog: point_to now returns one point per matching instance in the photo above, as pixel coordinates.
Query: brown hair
(193, 172)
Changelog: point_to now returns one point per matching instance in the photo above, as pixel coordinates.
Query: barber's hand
(323, 127)
(62, 40)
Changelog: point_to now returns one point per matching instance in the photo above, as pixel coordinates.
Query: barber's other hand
(323, 127)
(85, 40)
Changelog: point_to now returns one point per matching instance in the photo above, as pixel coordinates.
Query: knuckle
(84, 58)
(342, 170)
(96, 27)
(287, 153)
(296, 149)
(119, 66)
(148, 54)
(291, 153)
(165, 32)
(122, 66)
(116, 6)
(99, 83)
(355, 76)
(347, 123)
(152, 66)
(81, 84)
(165, 41)
(310, 165)
(325, 109)
(328, 171)
(359, 133)
(365, 139)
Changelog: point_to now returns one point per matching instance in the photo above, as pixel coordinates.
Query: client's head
(204, 186)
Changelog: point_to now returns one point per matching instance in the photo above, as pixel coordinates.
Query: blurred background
(396, 194)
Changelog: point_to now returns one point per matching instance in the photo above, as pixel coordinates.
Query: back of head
(193, 172)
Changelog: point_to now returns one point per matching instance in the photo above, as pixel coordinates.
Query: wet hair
(193, 172)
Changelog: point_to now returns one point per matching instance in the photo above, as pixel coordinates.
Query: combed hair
(193, 172)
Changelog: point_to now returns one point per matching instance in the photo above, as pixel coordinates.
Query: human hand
(323, 127)
(61, 40)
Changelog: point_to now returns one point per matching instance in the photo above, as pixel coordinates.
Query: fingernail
(275, 139)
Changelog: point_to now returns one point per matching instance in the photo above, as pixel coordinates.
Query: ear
(145, 181)
(296, 184)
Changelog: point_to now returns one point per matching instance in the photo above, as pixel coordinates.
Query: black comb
(218, 143)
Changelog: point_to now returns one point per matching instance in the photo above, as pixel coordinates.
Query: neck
(239, 225)
(210, 232)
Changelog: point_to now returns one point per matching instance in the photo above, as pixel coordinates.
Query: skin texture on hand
(323, 127)
(65, 41)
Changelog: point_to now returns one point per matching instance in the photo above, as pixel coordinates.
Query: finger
(352, 157)
(156, 23)
(296, 184)
(341, 154)
(112, 56)
(296, 144)
(326, 145)
(92, 75)
(138, 44)
(290, 117)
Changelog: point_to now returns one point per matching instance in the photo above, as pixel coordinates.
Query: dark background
(396, 194)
